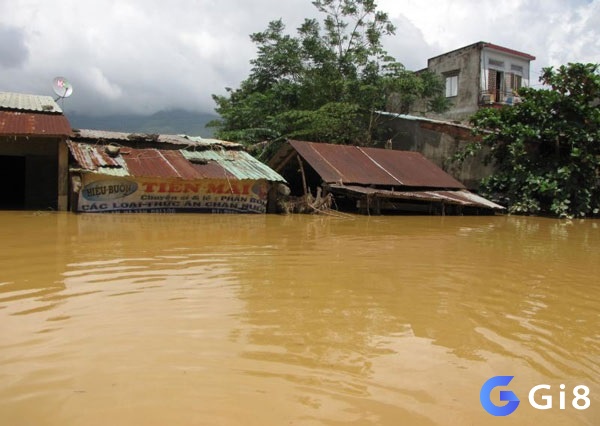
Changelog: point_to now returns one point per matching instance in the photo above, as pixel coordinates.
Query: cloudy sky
(143, 56)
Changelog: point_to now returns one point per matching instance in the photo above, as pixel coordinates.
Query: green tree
(324, 84)
(546, 149)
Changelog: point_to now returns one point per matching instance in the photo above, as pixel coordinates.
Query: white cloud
(554, 31)
(103, 86)
(146, 55)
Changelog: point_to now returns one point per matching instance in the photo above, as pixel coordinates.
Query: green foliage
(546, 149)
(325, 83)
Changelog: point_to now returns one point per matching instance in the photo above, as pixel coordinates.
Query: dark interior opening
(499, 86)
(293, 175)
(12, 176)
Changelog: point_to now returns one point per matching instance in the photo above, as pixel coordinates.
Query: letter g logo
(489, 406)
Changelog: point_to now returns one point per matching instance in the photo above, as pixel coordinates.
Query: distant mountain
(173, 122)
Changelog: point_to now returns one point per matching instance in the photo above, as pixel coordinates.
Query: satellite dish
(62, 87)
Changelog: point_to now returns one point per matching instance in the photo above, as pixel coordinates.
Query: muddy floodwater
(294, 320)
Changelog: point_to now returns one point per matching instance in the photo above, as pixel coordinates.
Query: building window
(516, 81)
(451, 85)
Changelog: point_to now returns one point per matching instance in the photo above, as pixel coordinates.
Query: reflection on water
(270, 320)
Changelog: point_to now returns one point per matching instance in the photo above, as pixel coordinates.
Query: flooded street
(300, 320)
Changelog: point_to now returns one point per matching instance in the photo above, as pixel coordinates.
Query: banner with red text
(104, 193)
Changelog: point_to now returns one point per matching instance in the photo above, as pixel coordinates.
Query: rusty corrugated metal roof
(371, 166)
(173, 163)
(17, 123)
(31, 103)
(159, 163)
(459, 197)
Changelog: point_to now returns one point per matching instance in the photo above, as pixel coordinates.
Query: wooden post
(63, 176)
(304, 186)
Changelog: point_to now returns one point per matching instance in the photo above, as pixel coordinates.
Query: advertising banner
(104, 193)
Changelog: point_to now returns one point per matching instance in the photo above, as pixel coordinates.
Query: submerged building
(45, 165)
(33, 153)
(121, 172)
(375, 181)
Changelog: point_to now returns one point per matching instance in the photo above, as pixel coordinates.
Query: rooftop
(181, 140)
(17, 123)
(217, 163)
(29, 103)
(484, 44)
(344, 164)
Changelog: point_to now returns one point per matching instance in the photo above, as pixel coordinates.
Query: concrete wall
(466, 63)
(439, 142)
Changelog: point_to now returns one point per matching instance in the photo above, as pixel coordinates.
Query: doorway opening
(13, 171)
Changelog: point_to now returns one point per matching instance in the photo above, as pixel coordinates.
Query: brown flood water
(272, 320)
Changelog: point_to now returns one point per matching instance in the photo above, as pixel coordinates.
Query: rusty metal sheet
(212, 170)
(218, 163)
(412, 168)
(16, 123)
(474, 198)
(458, 197)
(92, 157)
(137, 162)
(342, 163)
(371, 166)
(157, 163)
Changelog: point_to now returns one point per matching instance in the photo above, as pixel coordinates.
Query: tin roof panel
(459, 197)
(31, 103)
(16, 123)
(371, 166)
(238, 164)
(411, 168)
(164, 163)
(93, 157)
(212, 170)
(157, 163)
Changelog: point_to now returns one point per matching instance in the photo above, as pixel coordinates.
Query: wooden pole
(303, 175)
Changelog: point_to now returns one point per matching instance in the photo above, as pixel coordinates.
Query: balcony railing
(501, 97)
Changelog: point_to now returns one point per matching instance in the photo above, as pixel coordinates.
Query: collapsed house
(121, 172)
(375, 181)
